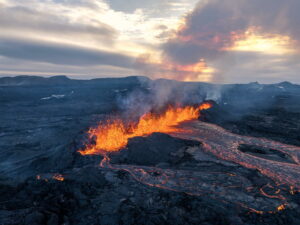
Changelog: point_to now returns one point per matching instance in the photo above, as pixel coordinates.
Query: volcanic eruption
(185, 117)
(181, 122)
(162, 153)
(114, 135)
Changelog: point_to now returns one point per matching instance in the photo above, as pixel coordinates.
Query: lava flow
(114, 135)
(230, 188)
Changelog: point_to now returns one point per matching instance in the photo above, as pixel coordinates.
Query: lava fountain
(114, 134)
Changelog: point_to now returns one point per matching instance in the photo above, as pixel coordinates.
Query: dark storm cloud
(25, 19)
(60, 54)
(208, 28)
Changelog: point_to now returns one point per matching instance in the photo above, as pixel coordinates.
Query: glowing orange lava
(58, 177)
(281, 207)
(114, 134)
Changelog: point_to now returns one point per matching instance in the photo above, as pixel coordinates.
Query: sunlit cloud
(255, 41)
(89, 24)
(192, 40)
(231, 35)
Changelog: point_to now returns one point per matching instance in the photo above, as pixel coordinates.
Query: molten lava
(58, 177)
(114, 134)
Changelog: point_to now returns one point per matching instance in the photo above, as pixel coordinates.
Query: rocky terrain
(159, 179)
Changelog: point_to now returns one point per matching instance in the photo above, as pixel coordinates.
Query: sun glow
(254, 41)
(164, 68)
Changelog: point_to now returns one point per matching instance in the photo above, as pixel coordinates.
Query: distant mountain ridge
(25, 80)
(33, 80)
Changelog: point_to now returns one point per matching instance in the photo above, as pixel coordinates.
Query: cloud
(55, 53)
(152, 7)
(131, 5)
(214, 26)
(13, 67)
(102, 36)
(78, 3)
(19, 19)
(80, 24)
(59, 36)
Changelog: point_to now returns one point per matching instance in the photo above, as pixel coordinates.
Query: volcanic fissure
(181, 122)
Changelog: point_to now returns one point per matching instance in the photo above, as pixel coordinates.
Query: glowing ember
(292, 190)
(281, 207)
(115, 134)
(58, 177)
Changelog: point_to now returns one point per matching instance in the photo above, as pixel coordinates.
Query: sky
(221, 41)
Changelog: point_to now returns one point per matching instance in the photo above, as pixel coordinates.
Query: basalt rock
(157, 179)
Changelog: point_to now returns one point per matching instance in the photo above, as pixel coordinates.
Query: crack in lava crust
(224, 145)
(219, 185)
(226, 187)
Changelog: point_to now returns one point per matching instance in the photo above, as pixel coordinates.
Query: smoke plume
(156, 95)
